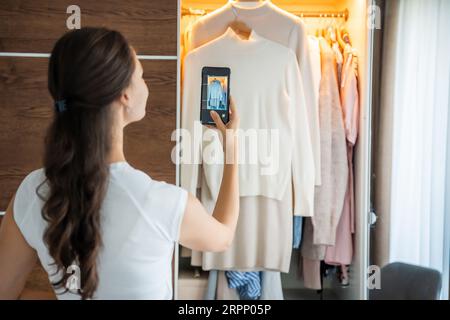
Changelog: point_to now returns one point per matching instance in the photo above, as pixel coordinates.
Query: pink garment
(311, 274)
(311, 255)
(329, 197)
(342, 252)
(320, 230)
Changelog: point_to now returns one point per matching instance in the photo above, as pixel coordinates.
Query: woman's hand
(227, 131)
(233, 122)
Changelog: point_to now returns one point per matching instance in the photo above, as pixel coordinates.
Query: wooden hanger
(240, 28)
(340, 40)
(329, 36)
(346, 36)
(343, 38)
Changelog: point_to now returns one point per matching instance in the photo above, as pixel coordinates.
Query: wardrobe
(360, 18)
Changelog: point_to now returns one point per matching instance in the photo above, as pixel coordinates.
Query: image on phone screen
(217, 93)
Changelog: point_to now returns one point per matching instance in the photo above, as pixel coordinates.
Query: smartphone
(215, 94)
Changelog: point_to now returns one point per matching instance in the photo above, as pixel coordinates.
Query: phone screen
(215, 93)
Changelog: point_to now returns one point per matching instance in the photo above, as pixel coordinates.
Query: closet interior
(342, 26)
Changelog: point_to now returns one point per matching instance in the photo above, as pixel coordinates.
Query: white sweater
(266, 86)
(276, 25)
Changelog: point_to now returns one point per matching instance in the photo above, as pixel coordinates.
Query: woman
(96, 223)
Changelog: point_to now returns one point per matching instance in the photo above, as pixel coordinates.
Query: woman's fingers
(232, 106)
(217, 120)
(234, 117)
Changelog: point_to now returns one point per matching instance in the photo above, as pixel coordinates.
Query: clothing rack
(322, 14)
(344, 14)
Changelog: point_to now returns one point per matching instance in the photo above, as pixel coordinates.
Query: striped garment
(297, 235)
(248, 284)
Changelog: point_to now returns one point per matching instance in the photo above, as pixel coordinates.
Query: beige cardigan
(329, 197)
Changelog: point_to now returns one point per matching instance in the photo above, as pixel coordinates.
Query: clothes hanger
(346, 36)
(320, 28)
(332, 33)
(329, 34)
(240, 28)
(324, 27)
(341, 42)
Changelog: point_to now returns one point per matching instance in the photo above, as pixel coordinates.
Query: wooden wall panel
(26, 110)
(37, 286)
(147, 142)
(35, 25)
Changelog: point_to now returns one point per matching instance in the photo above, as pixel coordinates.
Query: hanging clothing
(342, 252)
(311, 274)
(264, 232)
(211, 289)
(339, 59)
(268, 91)
(248, 284)
(285, 29)
(276, 25)
(308, 248)
(329, 197)
(311, 254)
(350, 95)
(185, 31)
(263, 236)
(271, 287)
(297, 232)
(185, 26)
(320, 230)
(224, 292)
(316, 67)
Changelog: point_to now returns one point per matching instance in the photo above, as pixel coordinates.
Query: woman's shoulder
(137, 178)
(27, 203)
(31, 181)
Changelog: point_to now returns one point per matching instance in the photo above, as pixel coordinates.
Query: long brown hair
(88, 70)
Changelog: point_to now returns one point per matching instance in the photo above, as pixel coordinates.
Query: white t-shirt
(140, 224)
